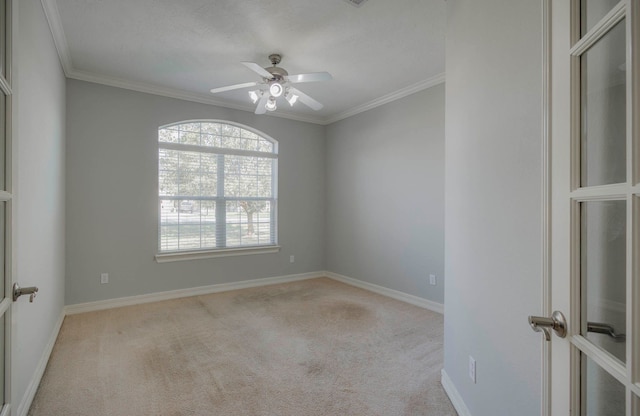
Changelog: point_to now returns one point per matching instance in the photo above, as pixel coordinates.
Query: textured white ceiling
(192, 46)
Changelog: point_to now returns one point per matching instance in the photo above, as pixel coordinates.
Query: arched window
(217, 187)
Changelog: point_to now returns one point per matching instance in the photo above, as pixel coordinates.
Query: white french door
(5, 203)
(595, 215)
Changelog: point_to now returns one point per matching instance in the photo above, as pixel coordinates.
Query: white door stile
(560, 375)
(632, 206)
(633, 117)
(545, 407)
(7, 82)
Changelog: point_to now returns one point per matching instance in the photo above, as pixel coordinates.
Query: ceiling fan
(276, 82)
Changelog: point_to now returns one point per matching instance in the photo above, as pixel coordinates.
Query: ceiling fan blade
(234, 87)
(260, 108)
(306, 100)
(258, 69)
(311, 77)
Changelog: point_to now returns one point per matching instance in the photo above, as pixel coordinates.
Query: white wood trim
(52, 14)
(215, 150)
(394, 294)
(600, 29)
(4, 305)
(210, 254)
(404, 92)
(454, 395)
(204, 99)
(600, 193)
(10, 159)
(30, 392)
(633, 164)
(603, 359)
(561, 15)
(183, 293)
(545, 399)
(224, 287)
(5, 87)
(5, 196)
(180, 94)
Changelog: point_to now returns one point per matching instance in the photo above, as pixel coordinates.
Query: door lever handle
(557, 322)
(19, 291)
(600, 328)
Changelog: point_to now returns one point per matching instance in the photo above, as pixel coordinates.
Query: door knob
(557, 322)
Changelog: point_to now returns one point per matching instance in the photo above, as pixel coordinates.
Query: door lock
(19, 291)
(557, 322)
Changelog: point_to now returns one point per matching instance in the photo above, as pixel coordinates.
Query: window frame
(223, 251)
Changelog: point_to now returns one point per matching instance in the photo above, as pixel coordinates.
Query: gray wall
(39, 210)
(112, 215)
(493, 203)
(385, 195)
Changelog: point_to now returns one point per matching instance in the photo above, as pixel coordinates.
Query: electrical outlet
(472, 369)
(292, 259)
(104, 278)
(432, 279)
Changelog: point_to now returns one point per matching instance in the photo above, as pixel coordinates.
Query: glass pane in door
(3, 206)
(603, 110)
(2, 337)
(2, 373)
(591, 11)
(3, 38)
(603, 274)
(3, 140)
(602, 394)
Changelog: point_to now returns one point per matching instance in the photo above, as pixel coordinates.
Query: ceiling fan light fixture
(291, 98)
(276, 82)
(255, 95)
(271, 104)
(276, 89)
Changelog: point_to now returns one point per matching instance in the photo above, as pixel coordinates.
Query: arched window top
(217, 190)
(217, 134)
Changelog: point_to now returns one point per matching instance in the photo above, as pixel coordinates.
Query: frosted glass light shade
(276, 89)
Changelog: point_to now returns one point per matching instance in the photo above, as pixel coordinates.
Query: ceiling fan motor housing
(277, 72)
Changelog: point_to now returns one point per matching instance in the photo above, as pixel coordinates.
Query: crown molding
(52, 15)
(59, 38)
(178, 94)
(411, 89)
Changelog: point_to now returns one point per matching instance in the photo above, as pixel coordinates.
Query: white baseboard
(401, 296)
(30, 393)
(183, 293)
(224, 287)
(454, 395)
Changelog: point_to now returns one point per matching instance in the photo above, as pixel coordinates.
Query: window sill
(209, 254)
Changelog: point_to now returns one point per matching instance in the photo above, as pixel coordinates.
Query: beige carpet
(316, 347)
